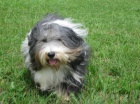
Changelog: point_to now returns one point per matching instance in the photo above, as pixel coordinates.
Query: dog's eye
(44, 40)
(59, 39)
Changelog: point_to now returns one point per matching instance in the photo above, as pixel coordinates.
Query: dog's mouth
(52, 61)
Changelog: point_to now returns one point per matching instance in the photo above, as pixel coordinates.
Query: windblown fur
(56, 55)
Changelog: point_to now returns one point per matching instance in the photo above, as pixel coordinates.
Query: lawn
(114, 37)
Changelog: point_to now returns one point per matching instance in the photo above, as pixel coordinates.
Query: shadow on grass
(28, 80)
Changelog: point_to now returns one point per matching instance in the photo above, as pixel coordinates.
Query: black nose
(51, 54)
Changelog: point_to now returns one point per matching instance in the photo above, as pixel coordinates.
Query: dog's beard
(62, 57)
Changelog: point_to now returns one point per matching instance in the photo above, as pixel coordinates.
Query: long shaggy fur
(56, 55)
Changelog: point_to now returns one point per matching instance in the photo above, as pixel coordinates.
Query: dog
(57, 55)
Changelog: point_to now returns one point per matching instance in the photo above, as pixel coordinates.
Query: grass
(114, 37)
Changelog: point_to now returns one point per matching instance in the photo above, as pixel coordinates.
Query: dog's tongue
(52, 61)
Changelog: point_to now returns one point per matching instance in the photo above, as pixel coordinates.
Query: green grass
(114, 37)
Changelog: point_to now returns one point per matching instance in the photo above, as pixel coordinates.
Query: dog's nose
(51, 54)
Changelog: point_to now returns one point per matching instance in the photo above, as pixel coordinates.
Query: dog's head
(54, 43)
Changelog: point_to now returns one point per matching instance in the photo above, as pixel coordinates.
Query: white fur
(25, 47)
(25, 51)
(49, 78)
(76, 27)
(57, 47)
(77, 77)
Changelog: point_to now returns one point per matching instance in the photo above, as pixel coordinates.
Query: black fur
(79, 65)
(70, 38)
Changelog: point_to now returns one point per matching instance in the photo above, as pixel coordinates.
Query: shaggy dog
(56, 55)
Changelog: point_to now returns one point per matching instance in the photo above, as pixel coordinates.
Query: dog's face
(52, 45)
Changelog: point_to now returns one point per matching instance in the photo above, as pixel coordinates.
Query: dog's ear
(32, 36)
(70, 38)
(29, 40)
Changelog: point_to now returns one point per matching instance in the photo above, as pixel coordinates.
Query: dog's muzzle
(51, 60)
